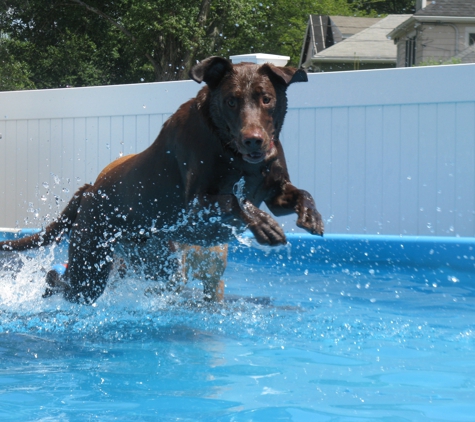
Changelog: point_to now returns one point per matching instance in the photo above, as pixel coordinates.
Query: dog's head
(247, 103)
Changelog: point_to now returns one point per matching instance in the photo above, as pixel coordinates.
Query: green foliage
(383, 7)
(14, 74)
(60, 43)
(95, 42)
(278, 26)
(438, 62)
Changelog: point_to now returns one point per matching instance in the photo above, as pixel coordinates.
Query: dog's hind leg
(89, 266)
(207, 264)
(55, 281)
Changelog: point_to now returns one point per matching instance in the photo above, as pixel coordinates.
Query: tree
(278, 27)
(97, 42)
(14, 74)
(383, 7)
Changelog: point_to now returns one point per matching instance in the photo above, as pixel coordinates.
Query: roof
(323, 31)
(369, 45)
(351, 25)
(459, 8)
(448, 11)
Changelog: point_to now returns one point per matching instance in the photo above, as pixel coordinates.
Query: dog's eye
(265, 100)
(232, 102)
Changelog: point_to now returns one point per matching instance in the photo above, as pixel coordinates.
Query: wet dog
(200, 183)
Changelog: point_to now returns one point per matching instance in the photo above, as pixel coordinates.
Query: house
(324, 31)
(440, 31)
(466, 56)
(329, 45)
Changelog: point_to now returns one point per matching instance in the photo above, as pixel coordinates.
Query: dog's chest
(250, 184)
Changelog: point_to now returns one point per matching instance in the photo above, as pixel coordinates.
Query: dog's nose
(253, 143)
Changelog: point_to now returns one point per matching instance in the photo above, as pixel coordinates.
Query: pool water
(335, 329)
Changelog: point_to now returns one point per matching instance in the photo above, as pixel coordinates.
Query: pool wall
(407, 251)
(386, 152)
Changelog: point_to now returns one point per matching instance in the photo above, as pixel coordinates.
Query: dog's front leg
(264, 228)
(301, 202)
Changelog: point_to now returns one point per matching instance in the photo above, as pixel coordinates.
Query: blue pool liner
(415, 251)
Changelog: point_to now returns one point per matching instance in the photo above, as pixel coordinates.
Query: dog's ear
(285, 75)
(211, 71)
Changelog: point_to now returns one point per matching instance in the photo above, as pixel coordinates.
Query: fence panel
(386, 151)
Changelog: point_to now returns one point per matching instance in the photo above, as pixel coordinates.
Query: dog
(201, 182)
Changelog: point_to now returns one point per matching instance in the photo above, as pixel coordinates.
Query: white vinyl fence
(382, 152)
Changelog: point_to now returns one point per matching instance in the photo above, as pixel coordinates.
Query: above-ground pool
(343, 328)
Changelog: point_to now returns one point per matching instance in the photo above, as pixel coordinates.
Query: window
(469, 36)
(410, 52)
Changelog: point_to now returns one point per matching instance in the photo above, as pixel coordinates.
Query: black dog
(201, 181)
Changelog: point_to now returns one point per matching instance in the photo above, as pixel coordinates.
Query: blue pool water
(343, 328)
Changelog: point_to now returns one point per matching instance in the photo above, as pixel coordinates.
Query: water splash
(238, 190)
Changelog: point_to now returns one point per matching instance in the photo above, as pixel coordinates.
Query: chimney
(420, 4)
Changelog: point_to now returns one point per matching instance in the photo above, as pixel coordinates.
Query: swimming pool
(340, 328)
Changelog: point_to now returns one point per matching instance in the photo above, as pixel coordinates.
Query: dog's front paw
(311, 220)
(266, 230)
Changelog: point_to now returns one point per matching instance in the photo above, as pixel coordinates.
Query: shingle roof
(460, 8)
(369, 44)
(351, 25)
(323, 31)
(437, 10)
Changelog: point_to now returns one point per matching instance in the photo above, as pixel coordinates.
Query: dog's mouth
(256, 157)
